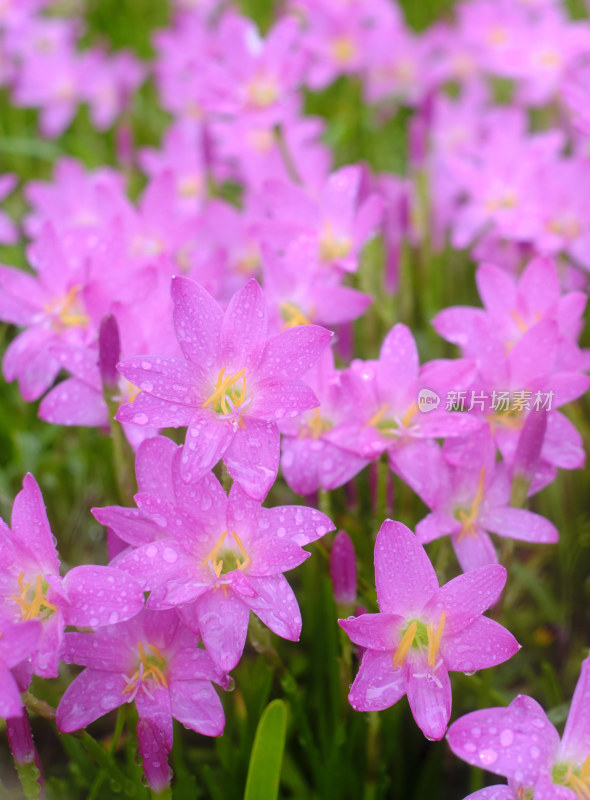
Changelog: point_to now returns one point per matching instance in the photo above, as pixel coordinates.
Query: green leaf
(267, 753)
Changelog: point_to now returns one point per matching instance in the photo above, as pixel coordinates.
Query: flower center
(293, 316)
(315, 426)
(331, 246)
(33, 600)
(227, 397)
(420, 636)
(343, 49)
(67, 311)
(262, 91)
(575, 778)
(469, 518)
(224, 558)
(395, 426)
(151, 665)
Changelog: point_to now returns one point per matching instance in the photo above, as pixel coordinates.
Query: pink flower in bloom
(423, 631)
(55, 306)
(32, 589)
(469, 494)
(231, 388)
(385, 395)
(520, 743)
(220, 557)
(310, 460)
(339, 220)
(152, 660)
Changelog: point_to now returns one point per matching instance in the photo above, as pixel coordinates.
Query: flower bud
(343, 569)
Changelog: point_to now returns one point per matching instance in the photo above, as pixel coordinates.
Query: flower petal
(223, 621)
(429, 695)
(275, 604)
(252, 458)
(377, 685)
(100, 596)
(196, 705)
(292, 352)
(404, 577)
(30, 525)
(197, 322)
(91, 695)
(467, 596)
(500, 740)
(485, 643)
(207, 439)
(244, 326)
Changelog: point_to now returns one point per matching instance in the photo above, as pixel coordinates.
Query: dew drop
(169, 555)
(140, 419)
(488, 756)
(506, 737)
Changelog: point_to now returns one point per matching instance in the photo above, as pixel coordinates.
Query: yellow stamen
(223, 385)
(404, 646)
(153, 667)
(67, 310)
(31, 609)
(332, 248)
(409, 415)
(218, 564)
(522, 327)
(315, 427)
(378, 416)
(434, 639)
(469, 520)
(343, 49)
(293, 316)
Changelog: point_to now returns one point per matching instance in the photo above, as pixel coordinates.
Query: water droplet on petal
(488, 756)
(140, 419)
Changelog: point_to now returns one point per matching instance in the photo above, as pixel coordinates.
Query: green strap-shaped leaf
(267, 754)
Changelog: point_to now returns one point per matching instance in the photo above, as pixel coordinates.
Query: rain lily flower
(521, 744)
(310, 460)
(423, 631)
(152, 660)
(32, 589)
(232, 386)
(221, 558)
(469, 494)
(386, 394)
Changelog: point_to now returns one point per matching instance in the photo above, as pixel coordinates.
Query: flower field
(294, 405)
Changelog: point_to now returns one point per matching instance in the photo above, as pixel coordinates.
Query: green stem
(123, 457)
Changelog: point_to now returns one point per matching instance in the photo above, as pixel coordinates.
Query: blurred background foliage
(332, 751)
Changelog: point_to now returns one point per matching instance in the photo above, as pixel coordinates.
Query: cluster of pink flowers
(234, 321)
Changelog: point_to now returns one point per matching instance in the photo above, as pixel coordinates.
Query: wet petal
(100, 596)
(91, 695)
(377, 685)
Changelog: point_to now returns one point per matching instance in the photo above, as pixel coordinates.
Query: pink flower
(232, 386)
(469, 495)
(423, 631)
(520, 743)
(32, 589)
(152, 660)
(217, 558)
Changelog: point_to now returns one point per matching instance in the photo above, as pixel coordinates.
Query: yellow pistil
(404, 646)
(293, 316)
(223, 393)
(434, 639)
(567, 227)
(331, 247)
(218, 564)
(66, 310)
(31, 607)
(153, 667)
(468, 520)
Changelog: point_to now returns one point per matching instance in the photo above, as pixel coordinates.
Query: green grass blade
(267, 754)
